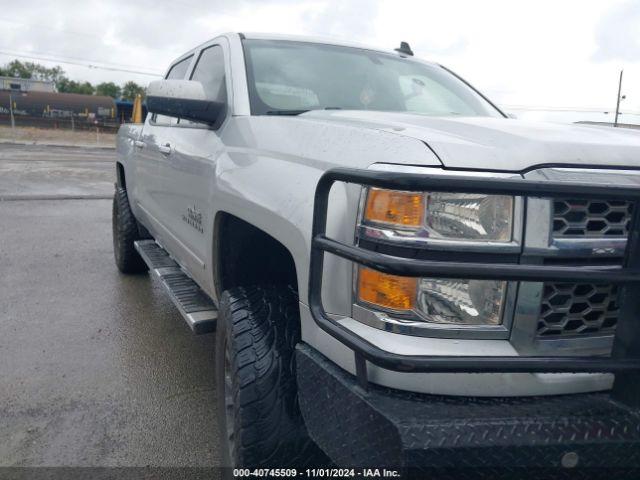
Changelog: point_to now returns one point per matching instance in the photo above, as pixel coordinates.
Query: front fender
(269, 175)
(282, 206)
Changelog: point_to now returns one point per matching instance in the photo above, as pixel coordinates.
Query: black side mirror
(184, 99)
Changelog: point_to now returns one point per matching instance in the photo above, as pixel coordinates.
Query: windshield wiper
(298, 112)
(286, 112)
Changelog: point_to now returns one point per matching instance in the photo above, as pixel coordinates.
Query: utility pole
(615, 123)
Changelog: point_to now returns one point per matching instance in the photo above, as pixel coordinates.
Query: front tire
(258, 414)
(125, 232)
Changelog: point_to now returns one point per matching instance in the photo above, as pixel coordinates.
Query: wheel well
(120, 175)
(248, 256)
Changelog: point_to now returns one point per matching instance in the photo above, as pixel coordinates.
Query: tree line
(63, 84)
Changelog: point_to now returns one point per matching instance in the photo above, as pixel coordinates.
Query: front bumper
(464, 436)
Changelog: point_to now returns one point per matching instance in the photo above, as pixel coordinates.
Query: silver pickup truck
(397, 272)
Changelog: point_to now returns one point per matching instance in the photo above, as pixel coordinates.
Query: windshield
(289, 78)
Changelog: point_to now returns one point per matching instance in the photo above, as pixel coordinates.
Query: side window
(176, 72)
(210, 72)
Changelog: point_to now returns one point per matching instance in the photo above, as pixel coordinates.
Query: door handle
(165, 149)
(139, 144)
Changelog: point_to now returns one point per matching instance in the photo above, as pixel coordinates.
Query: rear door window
(176, 72)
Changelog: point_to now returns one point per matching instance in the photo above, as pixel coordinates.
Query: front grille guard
(625, 358)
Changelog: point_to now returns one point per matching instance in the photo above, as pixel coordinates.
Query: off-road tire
(125, 232)
(261, 326)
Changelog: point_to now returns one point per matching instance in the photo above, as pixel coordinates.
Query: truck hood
(502, 143)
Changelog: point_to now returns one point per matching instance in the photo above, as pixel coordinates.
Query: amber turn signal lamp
(393, 207)
(387, 291)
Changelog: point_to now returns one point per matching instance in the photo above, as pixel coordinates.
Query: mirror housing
(184, 99)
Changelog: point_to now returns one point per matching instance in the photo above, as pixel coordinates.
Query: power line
(57, 57)
(84, 63)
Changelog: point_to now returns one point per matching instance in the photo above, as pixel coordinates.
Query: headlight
(446, 301)
(462, 216)
(468, 302)
(442, 216)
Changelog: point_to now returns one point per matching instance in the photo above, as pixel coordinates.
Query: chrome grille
(575, 218)
(570, 309)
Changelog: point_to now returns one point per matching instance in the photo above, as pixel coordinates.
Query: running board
(195, 306)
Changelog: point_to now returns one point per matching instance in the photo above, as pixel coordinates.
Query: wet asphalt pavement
(96, 368)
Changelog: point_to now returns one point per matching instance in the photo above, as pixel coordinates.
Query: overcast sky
(537, 53)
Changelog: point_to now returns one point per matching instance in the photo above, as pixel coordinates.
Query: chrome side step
(194, 305)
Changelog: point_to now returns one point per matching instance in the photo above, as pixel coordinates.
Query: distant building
(26, 85)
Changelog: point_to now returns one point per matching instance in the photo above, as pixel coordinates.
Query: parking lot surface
(96, 368)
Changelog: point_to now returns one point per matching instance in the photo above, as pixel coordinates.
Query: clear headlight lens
(467, 216)
(444, 216)
(467, 302)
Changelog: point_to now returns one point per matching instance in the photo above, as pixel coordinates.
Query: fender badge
(193, 217)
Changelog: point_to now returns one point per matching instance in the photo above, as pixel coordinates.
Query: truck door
(187, 165)
(149, 184)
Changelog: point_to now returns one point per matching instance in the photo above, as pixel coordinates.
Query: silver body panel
(502, 144)
(264, 170)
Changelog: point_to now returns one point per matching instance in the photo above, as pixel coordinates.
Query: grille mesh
(591, 218)
(578, 309)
